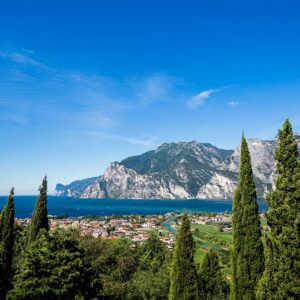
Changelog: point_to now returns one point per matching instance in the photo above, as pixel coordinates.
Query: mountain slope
(188, 165)
(74, 189)
(178, 171)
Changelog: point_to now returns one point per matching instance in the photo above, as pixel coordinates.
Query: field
(209, 236)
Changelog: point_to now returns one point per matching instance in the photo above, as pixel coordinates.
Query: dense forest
(39, 263)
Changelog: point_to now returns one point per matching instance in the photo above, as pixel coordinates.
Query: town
(136, 228)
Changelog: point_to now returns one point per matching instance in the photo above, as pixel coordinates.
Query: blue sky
(84, 83)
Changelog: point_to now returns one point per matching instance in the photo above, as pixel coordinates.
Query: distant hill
(186, 170)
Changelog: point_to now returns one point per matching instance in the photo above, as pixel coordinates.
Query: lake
(106, 207)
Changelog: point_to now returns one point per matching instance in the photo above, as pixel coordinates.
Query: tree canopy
(247, 253)
(184, 278)
(281, 278)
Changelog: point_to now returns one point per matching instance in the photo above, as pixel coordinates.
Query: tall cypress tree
(247, 254)
(1, 212)
(184, 277)
(213, 283)
(40, 215)
(281, 278)
(7, 244)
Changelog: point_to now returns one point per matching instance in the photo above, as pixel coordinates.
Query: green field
(205, 228)
(209, 236)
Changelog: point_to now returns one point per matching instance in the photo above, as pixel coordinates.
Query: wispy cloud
(199, 99)
(59, 96)
(144, 141)
(154, 88)
(233, 103)
(73, 100)
(147, 141)
(19, 58)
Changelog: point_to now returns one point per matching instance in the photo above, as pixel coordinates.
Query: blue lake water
(73, 207)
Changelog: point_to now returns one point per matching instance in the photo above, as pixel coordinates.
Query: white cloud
(233, 103)
(199, 99)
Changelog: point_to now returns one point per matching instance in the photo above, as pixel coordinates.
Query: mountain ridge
(184, 170)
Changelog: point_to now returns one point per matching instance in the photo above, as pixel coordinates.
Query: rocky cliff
(178, 171)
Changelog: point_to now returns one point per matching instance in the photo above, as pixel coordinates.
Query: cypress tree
(7, 243)
(281, 279)
(1, 225)
(40, 215)
(247, 253)
(183, 276)
(213, 283)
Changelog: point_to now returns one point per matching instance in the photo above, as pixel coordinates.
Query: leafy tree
(281, 278)
(152, 278)
(247, 254)
(152, 253)
(213, 283)
(146, 284)
(7, 244)
(51, 268)
(40, 215)
(110, 265)
(183, 277)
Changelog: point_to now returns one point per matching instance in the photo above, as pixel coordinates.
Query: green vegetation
(109, 266)
(51, 268)
(7, 244)
(213, 282)
(113, 270)
(40, 214)
(247, 254)
(184, 280)
(281, 278)
(209, 236)
(205, 228)
(151, 281)
(212, 234)
(199, 255)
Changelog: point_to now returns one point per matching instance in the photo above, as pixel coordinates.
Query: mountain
(189, 170)
(75, 188)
